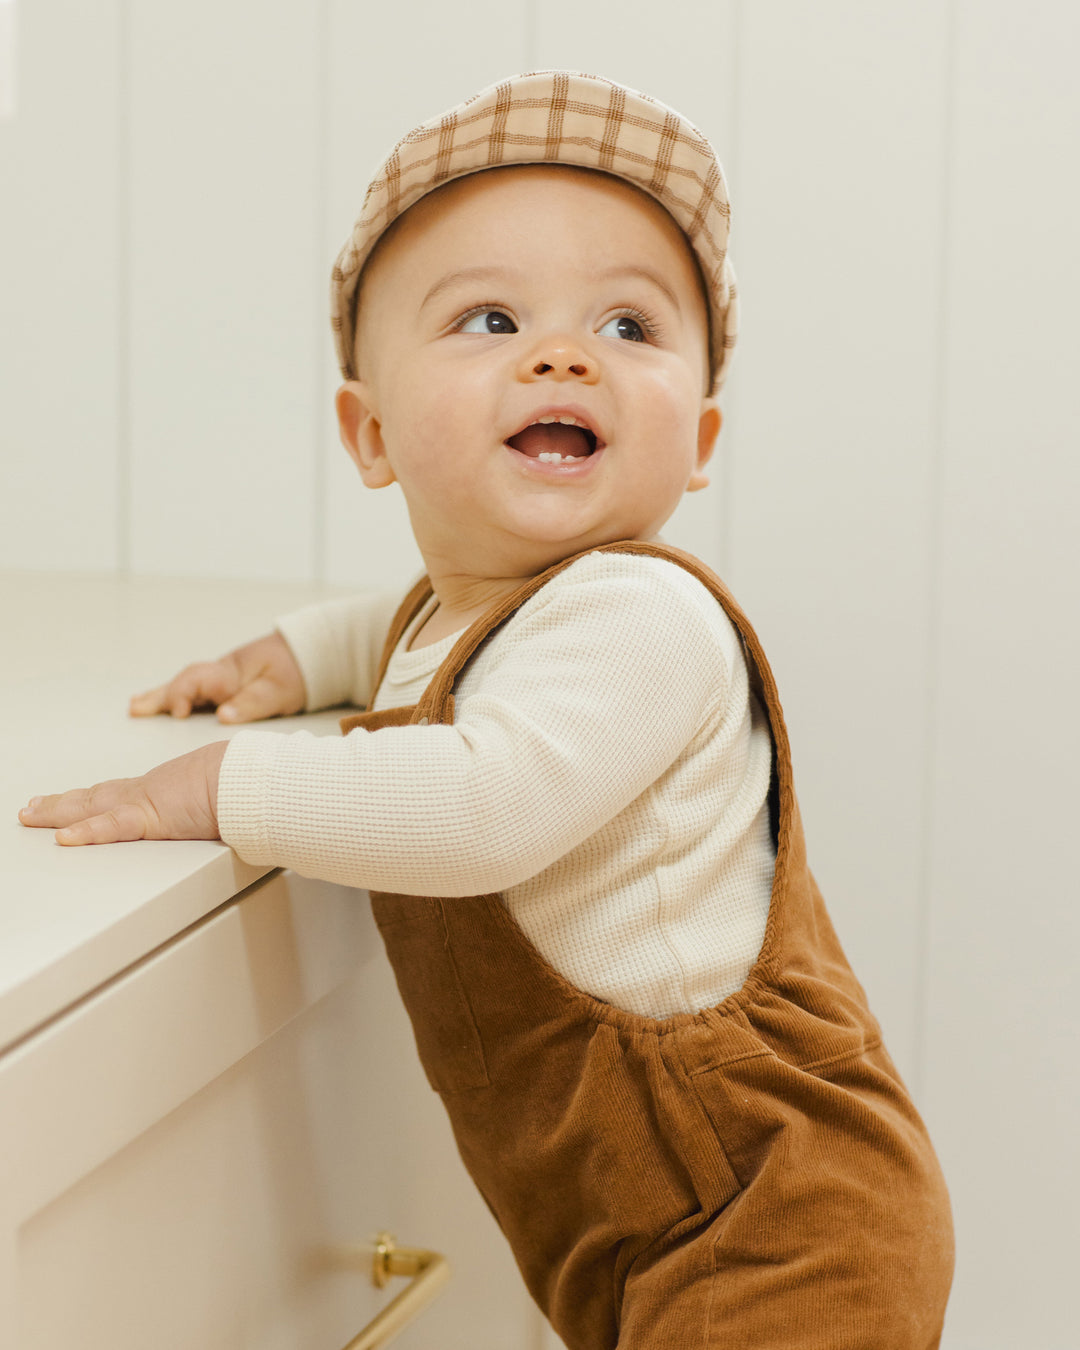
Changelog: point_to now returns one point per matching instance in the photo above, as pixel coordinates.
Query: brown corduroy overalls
(752, 1175)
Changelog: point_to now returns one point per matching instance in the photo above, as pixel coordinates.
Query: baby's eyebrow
(469, 274)
(634, 270)
(514, 274)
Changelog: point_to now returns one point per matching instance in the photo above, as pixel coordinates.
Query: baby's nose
(559, 357)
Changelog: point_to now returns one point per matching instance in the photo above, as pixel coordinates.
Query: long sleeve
(572, 711)
(337, 645)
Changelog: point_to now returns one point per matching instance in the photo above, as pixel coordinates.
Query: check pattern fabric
(556, 117)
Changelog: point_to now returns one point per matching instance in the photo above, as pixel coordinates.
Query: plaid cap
(556, 117)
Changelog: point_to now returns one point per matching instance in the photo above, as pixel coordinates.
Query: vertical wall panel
(226, 213)
(390, 68)
(1002, 1025)
(648, 49)
(836, 233)
(60, 447)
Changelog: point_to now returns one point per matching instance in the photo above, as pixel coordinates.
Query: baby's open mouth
(554, 441)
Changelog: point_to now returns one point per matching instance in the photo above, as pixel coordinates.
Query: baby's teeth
(553, 457)
(568, 421)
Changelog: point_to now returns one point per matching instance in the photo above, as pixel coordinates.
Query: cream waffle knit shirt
(607, 771)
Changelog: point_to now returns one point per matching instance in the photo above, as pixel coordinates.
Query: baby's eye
(488, 321)
(624, 327)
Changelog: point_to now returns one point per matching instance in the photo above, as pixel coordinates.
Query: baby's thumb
(146, 705)
(261, 698)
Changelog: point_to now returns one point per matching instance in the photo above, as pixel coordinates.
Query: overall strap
(437, 702)
(437, 706)
(409, 608)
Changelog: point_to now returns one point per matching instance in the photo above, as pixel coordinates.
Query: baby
(570, 793)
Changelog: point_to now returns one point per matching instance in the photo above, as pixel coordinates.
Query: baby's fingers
(261, 698)
(97, 815)
(148, 704)
(121, 825)
(208, 682)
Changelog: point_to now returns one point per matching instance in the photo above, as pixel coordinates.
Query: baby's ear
(361, 433)
(709, 424)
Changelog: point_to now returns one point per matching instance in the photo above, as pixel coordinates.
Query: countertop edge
(51, 990)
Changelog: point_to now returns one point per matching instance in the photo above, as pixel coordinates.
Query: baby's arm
(598, 692)
(576, 707)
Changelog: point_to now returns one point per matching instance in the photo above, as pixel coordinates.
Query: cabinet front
(200, 1154)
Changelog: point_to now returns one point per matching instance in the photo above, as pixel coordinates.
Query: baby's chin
(538, 549)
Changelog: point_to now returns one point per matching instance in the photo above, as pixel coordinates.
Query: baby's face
(502, 309)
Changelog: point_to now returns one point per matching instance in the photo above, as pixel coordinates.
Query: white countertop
(75, 648)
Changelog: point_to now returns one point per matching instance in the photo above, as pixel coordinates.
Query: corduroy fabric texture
(752, 1175)
(556, 117)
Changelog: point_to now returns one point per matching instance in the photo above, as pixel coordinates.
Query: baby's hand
(259, 680)
(177, 800)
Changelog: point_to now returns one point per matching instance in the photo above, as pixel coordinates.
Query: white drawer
(188, 1152)
(171, 1149)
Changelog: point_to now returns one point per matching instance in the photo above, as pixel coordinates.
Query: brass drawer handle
(428, 1272)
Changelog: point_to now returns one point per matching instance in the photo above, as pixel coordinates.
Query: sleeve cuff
(243, 792)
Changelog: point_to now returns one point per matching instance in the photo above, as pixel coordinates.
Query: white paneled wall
(841, 173)
(224, 194)
(893, 501)
(1002, 1015)
(63, 439)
